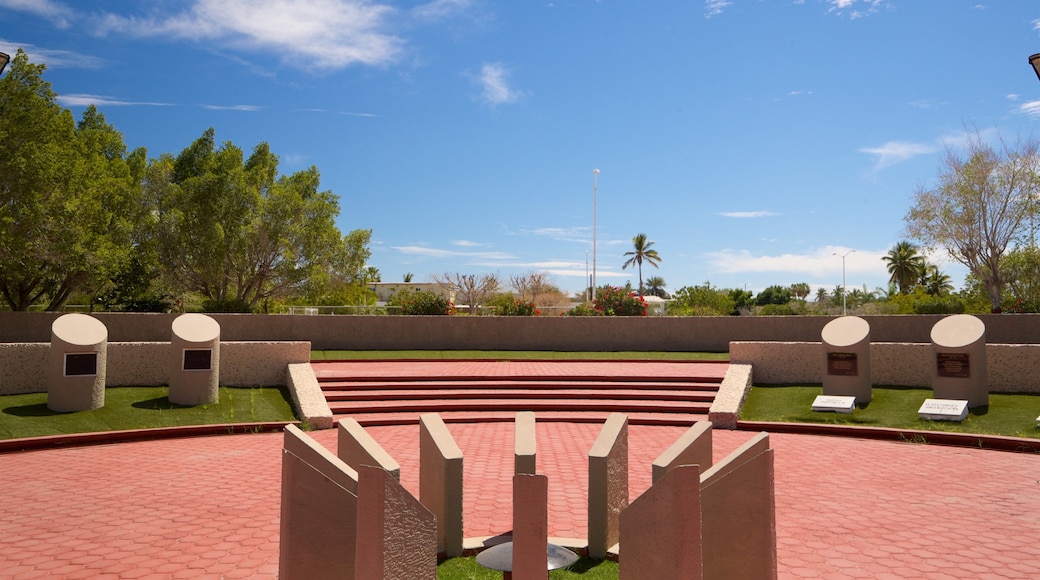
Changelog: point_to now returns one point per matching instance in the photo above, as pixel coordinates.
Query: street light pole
(844, 289)
(587, 292)
(595, 177)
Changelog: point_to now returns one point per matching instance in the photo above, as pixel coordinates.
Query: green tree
(641, 252)
(905, 265)
(978, 207)
(1021, 269)
(655, 286)
(67, 194)
(702, 300)
(235, 232)
(800, 290)
(934, 281)
(773, 295)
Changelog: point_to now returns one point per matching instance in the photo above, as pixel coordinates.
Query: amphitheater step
(662, 419)
(398, 392)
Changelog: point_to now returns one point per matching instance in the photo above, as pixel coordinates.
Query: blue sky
(751, 140)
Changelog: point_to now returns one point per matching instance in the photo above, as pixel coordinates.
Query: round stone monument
(846, 351)
(79, 353)
(194, 360)
(959, 373)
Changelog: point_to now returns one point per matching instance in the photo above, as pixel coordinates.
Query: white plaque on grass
(834, 404)
(943, 410)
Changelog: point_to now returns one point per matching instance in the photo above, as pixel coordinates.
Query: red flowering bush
(614, 301)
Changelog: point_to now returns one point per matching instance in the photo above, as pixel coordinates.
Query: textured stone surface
(397, 536)
(847, 337)
(194, 387)
(307, 397)
(76, 334)
(608, 484)
(1010, 368)
(530, 526)
(725, 409)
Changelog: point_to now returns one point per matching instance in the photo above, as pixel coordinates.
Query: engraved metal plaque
(842, 364)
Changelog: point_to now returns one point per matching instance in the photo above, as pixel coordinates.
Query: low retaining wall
(552, 333)
(1010, 368)
(242, 364)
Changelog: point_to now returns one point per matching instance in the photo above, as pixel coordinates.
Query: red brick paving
(207, 507)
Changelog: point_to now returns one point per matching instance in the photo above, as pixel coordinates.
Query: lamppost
(844, 290)
(595, 177)
(587, 290)
(4, 59)
(1033, 60)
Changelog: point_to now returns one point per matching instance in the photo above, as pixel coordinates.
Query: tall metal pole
(595, 177)
(587, 280)
(844, 288)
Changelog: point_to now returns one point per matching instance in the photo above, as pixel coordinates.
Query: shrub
(582, 310)
(507, 305)
(776, 310)
(614, 301)
(421, 303)
(226, 305)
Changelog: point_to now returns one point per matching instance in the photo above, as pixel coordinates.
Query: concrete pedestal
(846, 351)
(194, 360)
(959, 372)
(79, 352)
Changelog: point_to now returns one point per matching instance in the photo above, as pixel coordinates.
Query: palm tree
(905, 265)
(821, 295)
(655, 286)
(935, 282)
(640, 253)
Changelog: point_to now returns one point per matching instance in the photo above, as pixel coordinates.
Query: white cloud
(440, 9)
(821, 264)
(747, 214)
(56, 12)
(319, 34)
(495, 89)
(855, 8)
(52, 58)
(249, 108)
(715, 7)
(573, 234)
(1032, 108)
(895, 152)
(428, 252)
(82, 100)
(466, 244)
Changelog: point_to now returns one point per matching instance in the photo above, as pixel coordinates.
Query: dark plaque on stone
(953, 364)
(842, 364)
(81, 364)
(198, 359)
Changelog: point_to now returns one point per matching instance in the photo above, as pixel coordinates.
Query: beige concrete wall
(530, 526)
(697, 333)
(318, 526)
(608, 484)
(440, 481)
(661, 529)
(738, 514)
(1011, 368)
(691, 448)
(356, 448)
(24, 366)
(308, 399)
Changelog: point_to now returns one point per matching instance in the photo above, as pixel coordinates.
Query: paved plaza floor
(208, 507)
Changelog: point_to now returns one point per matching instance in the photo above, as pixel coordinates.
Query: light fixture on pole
(1033, 60)
(4, 59)
(595, 177)
(844, 289)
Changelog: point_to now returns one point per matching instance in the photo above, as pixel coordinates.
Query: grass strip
(1010, 415)
(141, 408)
(584, 569)
(512, 355)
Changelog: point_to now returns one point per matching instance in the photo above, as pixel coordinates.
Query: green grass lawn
(141, 408)
(895, 407)
(583, 569)
(512, 355)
